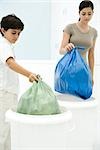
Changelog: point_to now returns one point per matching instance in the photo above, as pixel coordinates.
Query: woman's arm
(65, 45)
(91, 60)
(17, 68)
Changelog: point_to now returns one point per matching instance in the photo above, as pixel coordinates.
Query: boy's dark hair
(11, 22)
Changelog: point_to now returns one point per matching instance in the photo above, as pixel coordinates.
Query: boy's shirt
(8, 78)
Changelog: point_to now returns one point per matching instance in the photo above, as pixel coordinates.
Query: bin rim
(65, 116)
(70, 101)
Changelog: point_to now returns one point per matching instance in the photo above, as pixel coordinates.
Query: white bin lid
(71, 101)
(65, 116)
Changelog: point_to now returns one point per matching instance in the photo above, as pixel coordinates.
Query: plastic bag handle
(80, 47)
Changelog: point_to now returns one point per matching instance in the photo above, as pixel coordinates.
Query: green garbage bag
(39, 99)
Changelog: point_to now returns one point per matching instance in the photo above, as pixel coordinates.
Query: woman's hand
(92, 82)
(69, 46)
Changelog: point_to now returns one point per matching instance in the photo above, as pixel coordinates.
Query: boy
(11, 27)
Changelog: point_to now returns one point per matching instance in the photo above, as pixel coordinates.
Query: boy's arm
(17, 68)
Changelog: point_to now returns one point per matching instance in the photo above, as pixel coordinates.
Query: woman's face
(86, 14)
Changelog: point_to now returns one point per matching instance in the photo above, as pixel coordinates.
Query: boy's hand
(33, 77)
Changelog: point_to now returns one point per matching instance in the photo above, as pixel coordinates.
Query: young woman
(81, 34)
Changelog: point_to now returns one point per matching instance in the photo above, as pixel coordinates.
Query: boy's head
(11, 26)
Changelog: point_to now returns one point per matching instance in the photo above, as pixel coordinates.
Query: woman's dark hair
(85, 4)
(11, 22)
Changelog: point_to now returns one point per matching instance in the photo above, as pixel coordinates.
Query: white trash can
(39, 132)
(97, 140)
(84, 114)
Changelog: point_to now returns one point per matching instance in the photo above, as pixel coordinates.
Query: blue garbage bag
(72, 75)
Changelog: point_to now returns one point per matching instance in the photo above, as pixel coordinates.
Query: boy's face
(11, 34)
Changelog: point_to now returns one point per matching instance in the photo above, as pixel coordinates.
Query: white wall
(34, 42)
